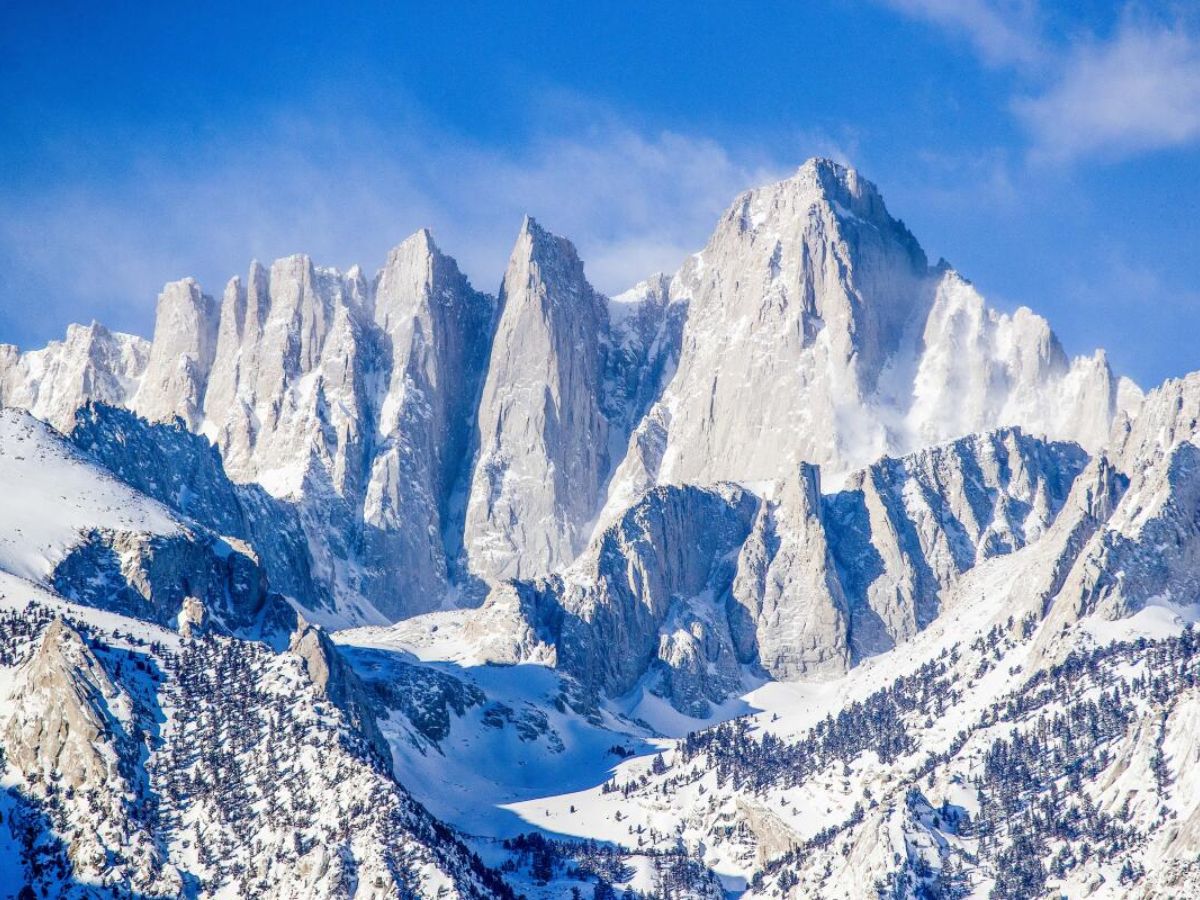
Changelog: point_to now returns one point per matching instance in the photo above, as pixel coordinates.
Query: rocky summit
(800, 572)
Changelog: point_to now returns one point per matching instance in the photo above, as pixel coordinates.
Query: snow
(51, 494)
(1158, 619)
(569, 754)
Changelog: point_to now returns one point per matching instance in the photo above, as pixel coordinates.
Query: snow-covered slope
(136, 760)
(52, 493)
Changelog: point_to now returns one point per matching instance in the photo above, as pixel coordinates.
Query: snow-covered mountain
(517, 428)
(383, 586)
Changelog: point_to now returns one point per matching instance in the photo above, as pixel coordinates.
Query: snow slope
(52, 493)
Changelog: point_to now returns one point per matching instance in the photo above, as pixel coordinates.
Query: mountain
(519, 427)
(801, 571)
(700, 589)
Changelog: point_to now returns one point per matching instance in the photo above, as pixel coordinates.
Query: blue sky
(1051, 153)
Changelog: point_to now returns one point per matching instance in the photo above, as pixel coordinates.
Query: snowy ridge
(702, 591)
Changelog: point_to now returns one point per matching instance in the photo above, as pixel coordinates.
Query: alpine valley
(801, 572)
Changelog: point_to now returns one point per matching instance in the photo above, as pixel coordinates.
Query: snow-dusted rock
(92, 363)
(543, 452)
(181, 355)
(906, 529)
(69, 741)
(438, 330)
(790, 611)
(184, 472)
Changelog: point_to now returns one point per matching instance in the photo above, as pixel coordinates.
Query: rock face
(184, 472)
(427, 441)
(800, 298)
(154, 577)
(543, 452)
(789, 606)
(288, 387)
(93, 363)
(812, 300)
(904, 530)
(181, 355)
(691, 588)
(438, 329)
(1138, 540)
(642, 597)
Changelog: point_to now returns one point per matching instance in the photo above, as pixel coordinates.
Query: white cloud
(1136, 91)
(1139, 91)
(1004, 32)
(633, 202)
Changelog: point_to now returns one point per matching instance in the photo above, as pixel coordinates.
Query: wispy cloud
(1137, 92)
(633, 201)
(1004, 32)
(1131, 91)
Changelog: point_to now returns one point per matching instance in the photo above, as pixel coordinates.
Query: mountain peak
(537, 244)
(420, 241)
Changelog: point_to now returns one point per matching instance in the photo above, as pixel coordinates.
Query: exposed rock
(181, 355)
(93, 363)
(68, 738)
(788, 609)
(544, 435)
(154, 577)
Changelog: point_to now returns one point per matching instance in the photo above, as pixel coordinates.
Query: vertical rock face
(788, 607)
(181, 355)
(243, 310)
(438, 330)
(288, 378)
(543, 452)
